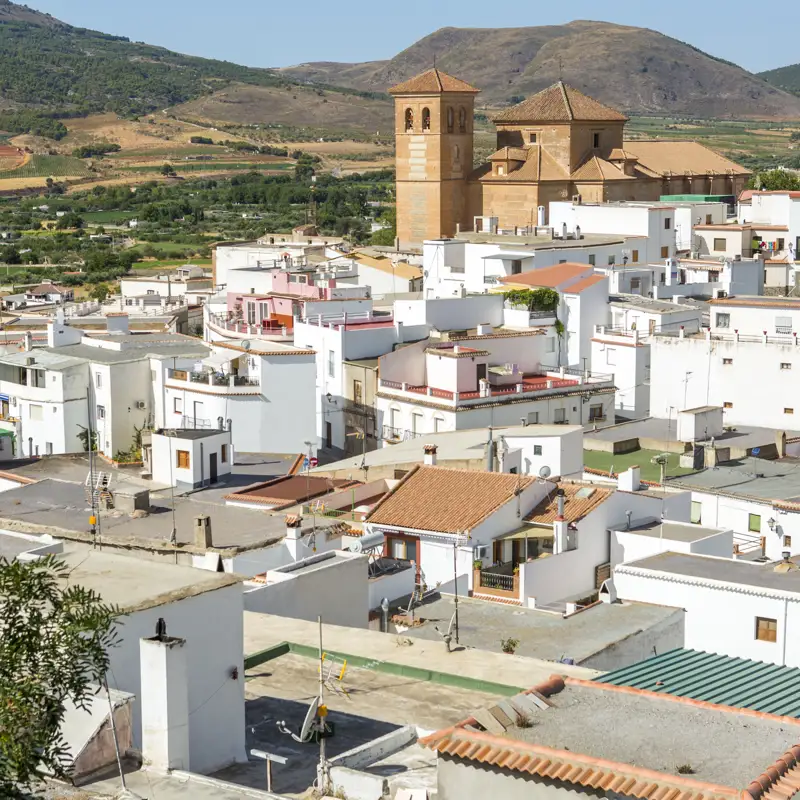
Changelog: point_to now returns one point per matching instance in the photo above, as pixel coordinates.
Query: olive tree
(55, 638)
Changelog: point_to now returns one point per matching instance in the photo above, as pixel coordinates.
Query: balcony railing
(225, 383)
(501, 582)
(391, 434)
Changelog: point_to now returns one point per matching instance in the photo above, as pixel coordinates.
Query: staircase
(96, 486)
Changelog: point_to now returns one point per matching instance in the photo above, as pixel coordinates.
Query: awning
(531, 532)
(219, 359)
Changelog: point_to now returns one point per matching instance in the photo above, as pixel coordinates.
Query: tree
(99, 292)
(775, 180)
(168, 170)
(54, 644)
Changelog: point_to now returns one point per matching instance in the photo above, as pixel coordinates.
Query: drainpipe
(490, 452)
(785, 616)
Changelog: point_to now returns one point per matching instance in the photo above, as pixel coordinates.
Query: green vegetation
(47, 167)
(99, 149)
(386, 237)
(533, 299)
(619, 462)
(34, 122)
(787, 78)
(210, 166)
(775, 180)
(45, 616)
(201, 140)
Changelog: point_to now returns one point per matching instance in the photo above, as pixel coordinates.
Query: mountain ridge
(644, 71)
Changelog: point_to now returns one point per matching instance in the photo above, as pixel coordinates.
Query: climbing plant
(533, 299)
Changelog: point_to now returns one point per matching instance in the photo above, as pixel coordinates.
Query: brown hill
(637, 70)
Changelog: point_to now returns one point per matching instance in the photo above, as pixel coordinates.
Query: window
(665, 251)
(720, 245)
(98, 380)
(358, 392)
(36, 413)
(788, 411)
(562, 260)
(708, 219)
(780, 244)
(331, 364)
(409, 120)
(462, 119)
(754, 523)
(635, 256)
(696, 513)
(456, 153)
(596, 412)
(537, 449)
(397, 548)
(667, 223)
(612, 260)
(727, 405)
(785, 365)
(251, 313)
(611, 356)
(516, 266)
(416, 422)
(533, 418)
(449, 119)
(723, 320)
(182, 459)
(726, 362)
(101, 412)
(560, 415)
(592, 259)
(501, 170)
(223, 456)
(596, 140)
(438, 424)
(151, 291)
(783, 324)
(48, 448)
(426, 119)
(787, 541)
(177, 405)
(531, 138)
(636, 284)
(766, 629)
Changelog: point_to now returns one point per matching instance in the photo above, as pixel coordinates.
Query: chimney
(630, 480)
(560, 526)
(28, 341)
(294, 535)
(484, 329)
(202, 532)
(117, 323)
(430, 455)
(164, 701)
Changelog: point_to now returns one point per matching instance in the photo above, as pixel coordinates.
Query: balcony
(212, 382)
(394, 435)
(501, 582)
(237, 328)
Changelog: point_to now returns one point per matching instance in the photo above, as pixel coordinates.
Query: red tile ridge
(296, 464)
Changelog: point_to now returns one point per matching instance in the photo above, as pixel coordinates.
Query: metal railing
(495, 580)
(390, 434)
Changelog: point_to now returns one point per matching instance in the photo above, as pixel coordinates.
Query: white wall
(336, 590)
(212, 624)
(391, 586)
(719, 617)
(562, 454)
(629, 546)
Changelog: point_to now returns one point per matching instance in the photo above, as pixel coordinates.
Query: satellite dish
(311, 715)
(355, 547)
(545, 472)
(246, 344)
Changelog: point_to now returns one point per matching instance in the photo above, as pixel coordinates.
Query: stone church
(556, 145)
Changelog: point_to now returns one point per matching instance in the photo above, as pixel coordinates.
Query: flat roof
(757, 478)
(649, 304)
(714, 678)
(723, 747)
(103, 355)
(13, 545)
(134, 584)
(674, 531)
(725, 570)
(188, 433)
(541, 242)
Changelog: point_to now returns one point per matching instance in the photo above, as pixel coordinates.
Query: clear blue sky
(272, 33)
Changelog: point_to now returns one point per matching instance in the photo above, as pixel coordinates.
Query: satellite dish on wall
(545, 472)
(311, 715)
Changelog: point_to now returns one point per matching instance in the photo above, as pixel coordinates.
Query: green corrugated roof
(727, 681)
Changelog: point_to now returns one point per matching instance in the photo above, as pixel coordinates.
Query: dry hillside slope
(634, 69)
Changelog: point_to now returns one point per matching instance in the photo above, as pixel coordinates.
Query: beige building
(558, 144)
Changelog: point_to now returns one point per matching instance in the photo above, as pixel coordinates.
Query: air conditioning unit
(481, 551)
(140, 404)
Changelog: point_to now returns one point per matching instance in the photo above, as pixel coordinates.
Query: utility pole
(322, 712)
(455, 581)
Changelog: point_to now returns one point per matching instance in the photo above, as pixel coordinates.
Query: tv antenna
(315, 726)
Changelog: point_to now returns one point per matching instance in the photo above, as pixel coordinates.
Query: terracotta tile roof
(539, 166)
(288, 490)
(510, 154)
(575, 507)
(402, 269)
(681, 158)
(618, 154)
(433, 81)
(549, 277)
(586, 283)
(47, 288)
(559, 103)
(446, 500)
(598, 169)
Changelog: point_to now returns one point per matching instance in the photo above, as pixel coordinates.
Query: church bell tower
(433, 135)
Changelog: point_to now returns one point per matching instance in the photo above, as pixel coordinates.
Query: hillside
(787, 78)
(637, 70)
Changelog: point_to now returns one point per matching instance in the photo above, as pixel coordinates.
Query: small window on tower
(462, 120)
(596, 141)
(531, 138)
(426, 119)
(450, 118)
(409, 120)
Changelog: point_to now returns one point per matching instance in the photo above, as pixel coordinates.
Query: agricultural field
(48, 167)
(170, 263)
(214, 166)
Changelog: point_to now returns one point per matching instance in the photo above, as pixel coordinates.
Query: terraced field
(48, 167)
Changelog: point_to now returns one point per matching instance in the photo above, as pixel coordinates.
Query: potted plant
(509, 645)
